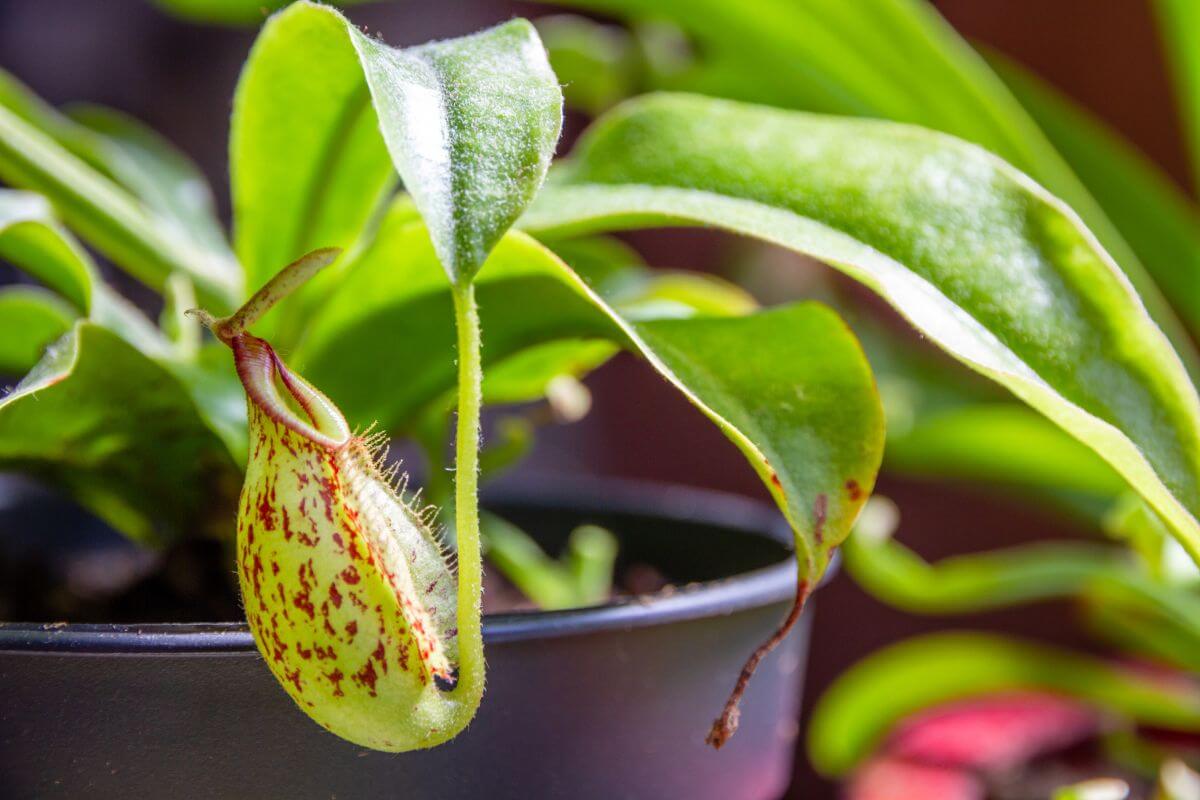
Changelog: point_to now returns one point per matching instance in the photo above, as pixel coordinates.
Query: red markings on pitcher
(366, 678)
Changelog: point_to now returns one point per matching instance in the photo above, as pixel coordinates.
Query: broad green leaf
(1004, 443)
(30, 319)
(1161, 224)
(857, 712)
(104, 213)
(471, 124)
(307, 164)
(32, 239)
(988, 265)
(789, 386)
(812, 440)
(892, 59)
(94, 414)
(1179, 22)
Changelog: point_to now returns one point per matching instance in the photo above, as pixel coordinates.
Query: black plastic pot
(608, 702)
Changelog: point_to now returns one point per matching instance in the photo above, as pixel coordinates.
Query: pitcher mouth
(259, 368)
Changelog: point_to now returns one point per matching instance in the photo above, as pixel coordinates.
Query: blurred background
(179, 78)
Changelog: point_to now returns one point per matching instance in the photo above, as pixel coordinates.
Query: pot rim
(669, 502)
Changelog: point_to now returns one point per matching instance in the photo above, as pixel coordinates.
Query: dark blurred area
(179, 78)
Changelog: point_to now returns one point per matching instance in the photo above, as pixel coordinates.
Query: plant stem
(466, 491)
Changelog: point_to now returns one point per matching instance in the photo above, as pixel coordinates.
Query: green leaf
(790, 387)
(1159, 221)
(32, 239)
(893, 59)
(899, 577)
(471, 124)
(977, 257)
(867, 700)
(30, 319)
(94, 414)
(811, 427)
(103, 212)
(1179, 22)
(1029, 573)
(307, 164)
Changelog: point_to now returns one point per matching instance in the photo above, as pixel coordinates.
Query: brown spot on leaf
(820, 512)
